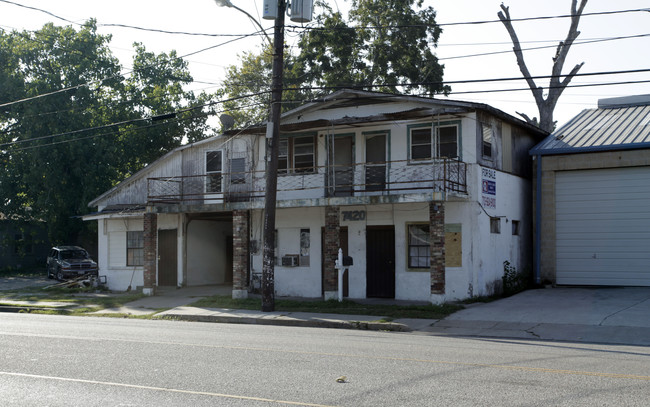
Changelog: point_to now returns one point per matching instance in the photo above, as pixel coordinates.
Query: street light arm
(228, 3)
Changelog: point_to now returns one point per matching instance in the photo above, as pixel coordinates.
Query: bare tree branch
(504, 16)
(546, 106)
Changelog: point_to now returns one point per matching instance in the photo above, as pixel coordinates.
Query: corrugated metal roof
(600, 129)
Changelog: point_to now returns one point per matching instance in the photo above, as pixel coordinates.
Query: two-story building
(429, 197)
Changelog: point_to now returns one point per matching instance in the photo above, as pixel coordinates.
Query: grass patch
(482, 299)
(83, 300)
(22, 272)
(335, 307)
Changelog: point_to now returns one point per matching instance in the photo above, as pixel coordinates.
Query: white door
(603, 227)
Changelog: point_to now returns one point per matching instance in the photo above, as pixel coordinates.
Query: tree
(384, 44)
(365, 52)
(546, 105)
(61, 150)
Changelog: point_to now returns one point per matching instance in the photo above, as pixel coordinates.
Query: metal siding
(600, 128)
(603, 227)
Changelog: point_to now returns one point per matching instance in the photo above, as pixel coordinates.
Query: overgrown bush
(513, 281)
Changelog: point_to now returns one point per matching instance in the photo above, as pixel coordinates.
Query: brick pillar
(240, 229)
(437, 239)
(150, 252)
(331, 251)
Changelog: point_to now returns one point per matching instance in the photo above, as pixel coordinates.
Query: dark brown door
(341, 172)
(380, 261)
(167, 257)
(343, 239)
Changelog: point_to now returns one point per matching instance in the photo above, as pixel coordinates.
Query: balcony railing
(366, 179)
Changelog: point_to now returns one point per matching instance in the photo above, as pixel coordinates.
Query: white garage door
(603, 227)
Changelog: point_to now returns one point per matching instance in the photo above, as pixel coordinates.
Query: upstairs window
(487, 140)
(424, 146)
(297, 155)
(238, 171)
(214, 170)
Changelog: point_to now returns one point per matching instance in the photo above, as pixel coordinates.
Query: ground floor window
(419, 249)
(135, 248)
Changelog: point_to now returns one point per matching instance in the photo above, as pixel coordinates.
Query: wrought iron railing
(365, 179)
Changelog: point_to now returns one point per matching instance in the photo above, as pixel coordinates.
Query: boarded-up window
(453, 245)
(238, 171)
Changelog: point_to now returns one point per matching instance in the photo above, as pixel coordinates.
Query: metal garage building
(592, 198)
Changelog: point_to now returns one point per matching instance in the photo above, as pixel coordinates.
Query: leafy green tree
(382, 46)
(247, 88)
(61, 149)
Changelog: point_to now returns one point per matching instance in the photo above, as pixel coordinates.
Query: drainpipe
(538, 221)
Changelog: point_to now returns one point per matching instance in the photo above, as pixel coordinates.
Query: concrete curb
(281, 321)
(27, 309)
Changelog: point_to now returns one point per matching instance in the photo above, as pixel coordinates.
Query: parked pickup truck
(66, 262)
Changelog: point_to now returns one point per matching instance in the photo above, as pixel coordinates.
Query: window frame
(435, 140)
(495, 225)
(287, 154)
(237, 175)
(410, 245)
(516, 227)
(212, 175)
(487, 143)
(134, 249)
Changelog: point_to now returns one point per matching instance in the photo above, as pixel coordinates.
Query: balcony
(359, 181)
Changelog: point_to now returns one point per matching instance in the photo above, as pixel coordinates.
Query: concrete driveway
(610, 315)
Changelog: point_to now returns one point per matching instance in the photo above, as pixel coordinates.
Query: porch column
(150, 252)
(437, 254)
(331, 251)
(240, 228)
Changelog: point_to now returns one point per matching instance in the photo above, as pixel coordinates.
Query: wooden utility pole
(273, 130)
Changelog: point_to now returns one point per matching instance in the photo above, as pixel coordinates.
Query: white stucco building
(429, 197)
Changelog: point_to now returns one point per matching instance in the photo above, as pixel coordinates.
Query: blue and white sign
(489, 188)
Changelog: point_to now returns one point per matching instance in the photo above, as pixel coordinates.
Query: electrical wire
(125, 122)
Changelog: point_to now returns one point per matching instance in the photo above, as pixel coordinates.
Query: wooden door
(167, 257)
(341, 173)
(380, 261)
(376, 162)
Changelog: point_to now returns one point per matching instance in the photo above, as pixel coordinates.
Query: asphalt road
(81, 361)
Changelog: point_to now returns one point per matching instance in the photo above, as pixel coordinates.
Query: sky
(457, 47)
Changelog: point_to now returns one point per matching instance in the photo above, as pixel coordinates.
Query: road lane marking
(166, 389)
(343, 355)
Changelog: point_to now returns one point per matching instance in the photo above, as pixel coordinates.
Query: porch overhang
(298, 203)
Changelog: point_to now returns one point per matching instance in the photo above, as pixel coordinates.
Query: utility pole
(272, 134)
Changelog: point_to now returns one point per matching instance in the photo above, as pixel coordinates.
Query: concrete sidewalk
(597, 315)
(619, 315)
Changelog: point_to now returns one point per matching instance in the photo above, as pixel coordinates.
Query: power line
(308, 28)
(546, 46)
(298, 28)
(100, 81)
(130, 121)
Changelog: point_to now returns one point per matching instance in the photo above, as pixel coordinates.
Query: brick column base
(240, 230)
(437, 239)
(331, 252)
(150, 252)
